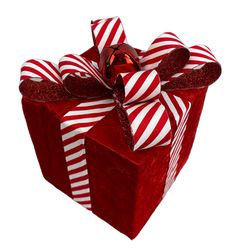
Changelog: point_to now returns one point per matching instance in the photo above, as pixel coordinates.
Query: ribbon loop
(41, 81)
(81, 77)
(202, 69)
(167, 54)
(107, 32)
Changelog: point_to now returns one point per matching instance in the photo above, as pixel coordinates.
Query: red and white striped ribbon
(107, 32)
(159, 49)
(72, 64)
(74, 126)
(150, 125)
(180, 110)
(140, 86)
(148, 118)
(199, 55)
(41, 81)
(37, 69)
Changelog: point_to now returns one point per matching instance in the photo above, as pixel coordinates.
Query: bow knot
(141, 96)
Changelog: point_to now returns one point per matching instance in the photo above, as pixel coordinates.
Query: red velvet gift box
(125, 186)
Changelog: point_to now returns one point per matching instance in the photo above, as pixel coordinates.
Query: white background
(198, 212)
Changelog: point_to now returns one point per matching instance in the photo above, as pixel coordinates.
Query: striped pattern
(140, 86)
(180, 110)
(75, 64)
(159, 49)
(82, 75)
(74, 126)
(149, 123)
(107, 32)
(37, 69)
(199, 56)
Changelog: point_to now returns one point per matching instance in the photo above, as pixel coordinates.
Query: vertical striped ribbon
(74, 126)
(180, 110)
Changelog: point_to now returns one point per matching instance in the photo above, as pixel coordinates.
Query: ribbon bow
(142, 97)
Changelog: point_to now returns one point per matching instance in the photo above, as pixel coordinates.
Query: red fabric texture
(43, 120)
(125, 186)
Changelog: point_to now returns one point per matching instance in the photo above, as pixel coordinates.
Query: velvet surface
(43, 121)
(126, 186)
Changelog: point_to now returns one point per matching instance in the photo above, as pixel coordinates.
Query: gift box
(113, 127)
